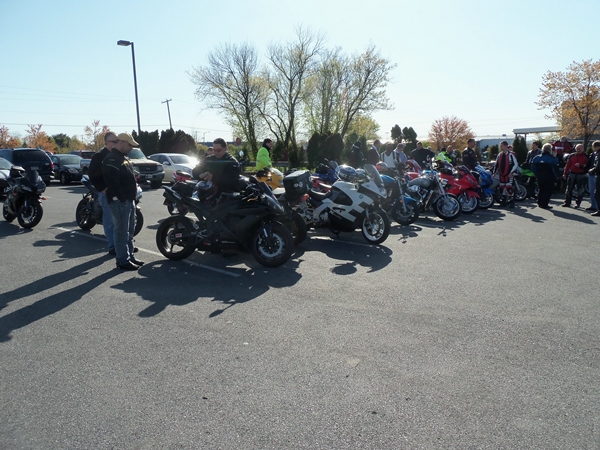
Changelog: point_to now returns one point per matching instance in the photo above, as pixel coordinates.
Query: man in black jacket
(95, 174)
(421, 155)
(221, 168)
(469, 156)
(121, 191)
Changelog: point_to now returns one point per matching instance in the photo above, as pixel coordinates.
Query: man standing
(535, 151)
(356, 156)
(95, 174)
(469, 156)
(263, 159)
(373, 154)
(545, 167)
(221, 168)
(595, 170)
(399, 154)
(592, 175)
(387, 156)
(575, 175)
(421, 155)
(506, 165)
(121, 191)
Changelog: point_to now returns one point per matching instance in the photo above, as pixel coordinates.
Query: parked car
(67, 168)
(86, 158)
(174, 161)
(150, 171)
(5, 166)
(30, 159)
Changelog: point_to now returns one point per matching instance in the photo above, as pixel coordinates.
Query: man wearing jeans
(110, 139)
(119, 177)
(592, 175)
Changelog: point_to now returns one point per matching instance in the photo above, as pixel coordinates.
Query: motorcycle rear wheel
(30, 216)
(171, 246)
(376, 226)
(405, 217)
(83, 214)
(275, 249)
(7, 216)
(520, 193)
(468, 205)
(447, 208)
(297, 226)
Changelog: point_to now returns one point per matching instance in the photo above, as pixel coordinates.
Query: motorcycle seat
(319, 195)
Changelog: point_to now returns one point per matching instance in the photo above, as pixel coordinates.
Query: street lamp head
(124, 43)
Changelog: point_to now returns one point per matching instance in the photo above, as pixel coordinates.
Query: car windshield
(26, 156)
(69, 159)
(181, 159)
(136, 153)
(4, 164)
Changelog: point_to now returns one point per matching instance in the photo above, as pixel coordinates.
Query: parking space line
(326, 239)
(191, 263)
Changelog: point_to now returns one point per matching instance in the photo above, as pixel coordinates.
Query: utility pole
(169, 111)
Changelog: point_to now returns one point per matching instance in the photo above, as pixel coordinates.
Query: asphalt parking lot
(479, 333)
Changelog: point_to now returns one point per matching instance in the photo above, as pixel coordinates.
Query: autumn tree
(94, 135)
(35, 137)
(7, 140)
(230, 83)
(573, 98)
(450, 130)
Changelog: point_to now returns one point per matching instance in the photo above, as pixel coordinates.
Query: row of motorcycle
(21, 196)
(273, 211)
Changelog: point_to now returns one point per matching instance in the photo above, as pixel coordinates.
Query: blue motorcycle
(487, 185)
(402, 207)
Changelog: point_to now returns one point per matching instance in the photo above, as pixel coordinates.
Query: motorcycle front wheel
(376, 226)
(272, 245)
(169, 240)
(405, 215)
(486, 201)
(520, 192)
(447, 207)
(7, 215)
(297, 226)
(29, 215)
(468, 205)
(83, 214)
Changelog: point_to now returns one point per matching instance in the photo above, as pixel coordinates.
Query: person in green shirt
(263, 158)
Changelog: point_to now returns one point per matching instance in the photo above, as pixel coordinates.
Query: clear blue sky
(480, 60)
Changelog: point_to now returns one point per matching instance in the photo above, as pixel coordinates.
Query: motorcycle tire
(447, 208)
(520, 193)
(168, 244)
(405, 217)
(468, 205)
(297, 226)
(376, 226)
(275, 249)
(139, 221)
(7, 216)
(83, 214)
(486, 201)
(31, 215)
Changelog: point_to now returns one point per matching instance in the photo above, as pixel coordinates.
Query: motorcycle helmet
(361, 175)
(381, 166)
(346, 173)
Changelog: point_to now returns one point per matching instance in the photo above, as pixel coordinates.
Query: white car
(173, 162)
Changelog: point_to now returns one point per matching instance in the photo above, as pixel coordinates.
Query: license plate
(35, 168)
(148, 176)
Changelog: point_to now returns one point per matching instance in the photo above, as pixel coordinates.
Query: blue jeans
(107, 221)
(123, 215)
(592, 189)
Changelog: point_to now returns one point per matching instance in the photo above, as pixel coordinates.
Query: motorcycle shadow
(68, 246)
(188, 284)
(478, 218)
(11, 229)
(405, 232)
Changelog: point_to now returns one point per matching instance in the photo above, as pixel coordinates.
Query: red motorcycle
(461, 183)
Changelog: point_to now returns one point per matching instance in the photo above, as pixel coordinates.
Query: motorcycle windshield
(333, 165)
(374, 175)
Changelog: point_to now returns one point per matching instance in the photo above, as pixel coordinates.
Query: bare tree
(231, 84)
(291, 65)
(450, 130)
(364, 91)
(94, 135)
(573, 98)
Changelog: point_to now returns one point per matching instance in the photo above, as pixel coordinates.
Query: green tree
(410, 136)
(148, 141)
(520, 148)
(62, 141)
(396, 134)
(333, 147)
(314, 151)
(171, 141)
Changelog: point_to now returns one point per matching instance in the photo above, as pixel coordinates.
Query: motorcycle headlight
(273, 204)
(138, 193)
(26, 188)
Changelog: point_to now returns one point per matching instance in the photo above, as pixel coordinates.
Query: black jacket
(95, 169)
(420, 156)
(119, 177)
(469, 158)
(225, 171)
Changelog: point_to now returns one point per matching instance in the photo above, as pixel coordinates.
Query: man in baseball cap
(121, 184)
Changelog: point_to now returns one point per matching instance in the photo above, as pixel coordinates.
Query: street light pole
(169, 111)
(137, 105)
